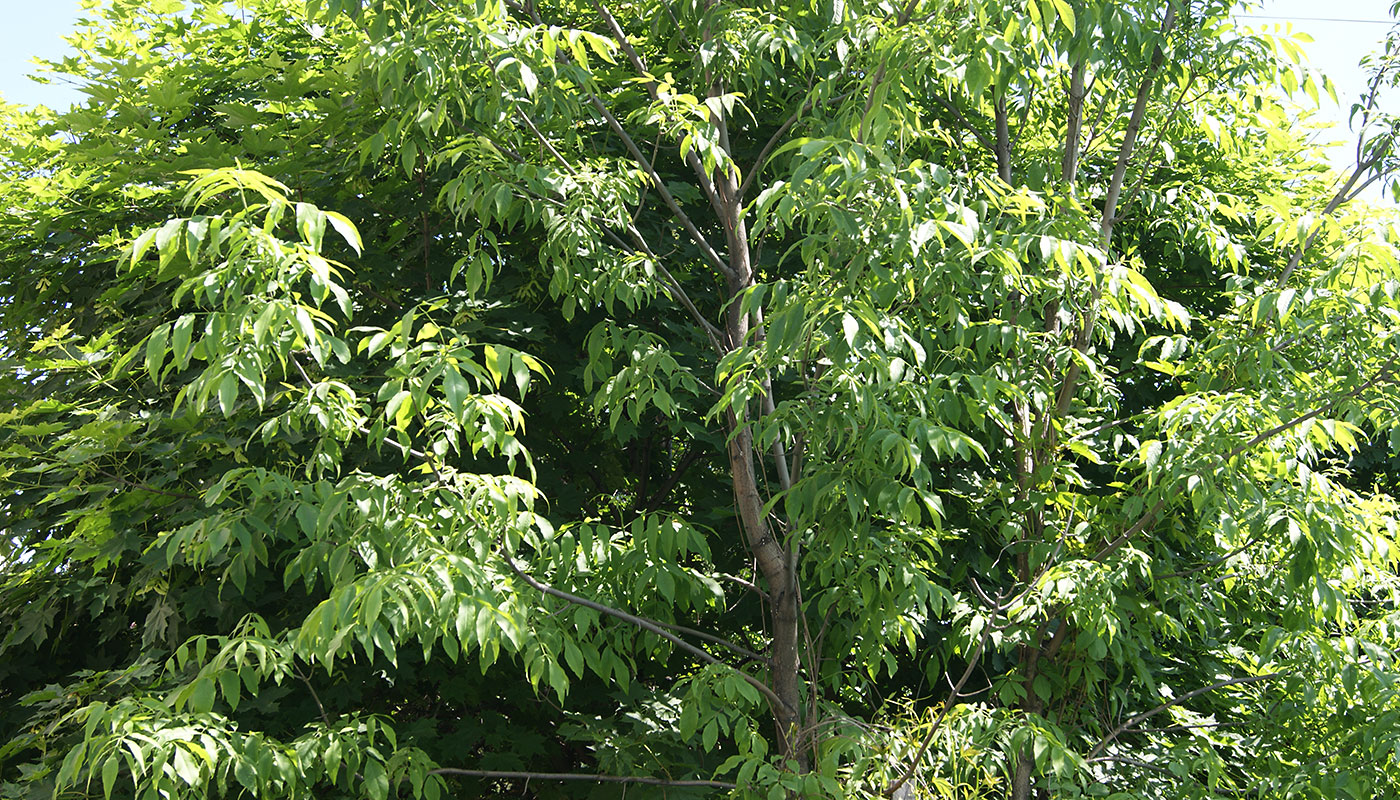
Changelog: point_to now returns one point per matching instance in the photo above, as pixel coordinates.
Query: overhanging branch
(643, 623)
(1133, 721)
(580, 776)
(1150, 515)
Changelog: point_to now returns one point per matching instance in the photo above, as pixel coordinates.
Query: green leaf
(376, 784)
(228, 393)
(156, 350)
(180, 340)
(202, 695)
(347, 230)
(109, 774)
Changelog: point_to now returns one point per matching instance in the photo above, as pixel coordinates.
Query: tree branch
(1125, 150)
(691, 230)
(1254, 441)
(638, 64)
(1003, 133)
(577, 776)
(643, 623)
(144, 487)
(1132, 721)
(956, 692)
(672, 285)
(710, 637)
(772, 142)
(1342, 195)
(966, 123)
(1074, 122)
(1319, 411)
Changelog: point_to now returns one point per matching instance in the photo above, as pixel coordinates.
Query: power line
(1320, 19)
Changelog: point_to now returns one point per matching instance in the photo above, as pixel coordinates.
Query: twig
(772, 142)
(1125, 150)
(142, 487)
(1320, 410)
(976, 134)
(1253, 540)
(314, 696)
(1133, 761)
(638, 64)
(672, 285)
(1151, 514)
(751, 586)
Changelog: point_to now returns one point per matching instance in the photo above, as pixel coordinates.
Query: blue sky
(1344, 30)
(34, 28)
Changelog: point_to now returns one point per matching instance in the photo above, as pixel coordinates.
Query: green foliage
(422, 400)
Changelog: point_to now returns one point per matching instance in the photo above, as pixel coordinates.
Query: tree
(946, 397)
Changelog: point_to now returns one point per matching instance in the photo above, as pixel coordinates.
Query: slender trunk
(1110, 209)
(775, 562)
(1074, 123)
(1130, 134)
(1021, 781)
(1003, 141)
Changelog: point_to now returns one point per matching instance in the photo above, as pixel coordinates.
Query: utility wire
(1319, 19)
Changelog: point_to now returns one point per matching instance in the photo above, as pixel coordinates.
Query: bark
(775, 562)
(1074, 123)
(1003, 141)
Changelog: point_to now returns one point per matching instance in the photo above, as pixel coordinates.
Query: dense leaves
(951, 398)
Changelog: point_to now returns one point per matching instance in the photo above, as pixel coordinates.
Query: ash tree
(939, 398)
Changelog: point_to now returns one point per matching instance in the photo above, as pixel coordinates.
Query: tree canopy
(930, 398)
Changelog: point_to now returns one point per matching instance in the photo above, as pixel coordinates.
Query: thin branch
(875, 82)
(879, 77)
(710, 637)
(143, 487)
(1132, 761)
(577, 776)
(750, 585)
(1148, 169)
(772, 142)
(1320, 410)
(1094, 126)
(644, 624)
(1345, 194)
(779, 450)
(1253, 540)
(1003, 133)
(1147, 518)
(1025, 115)
(314, 696)
(691, 456)
(966, 123)
(1125, 150)
(1176, 701)
(638, 64)
(691, 230)
(1074, 121)
(672, 285)
(942, 712)
(1151, 514)
(403, 448)
(544, 141)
